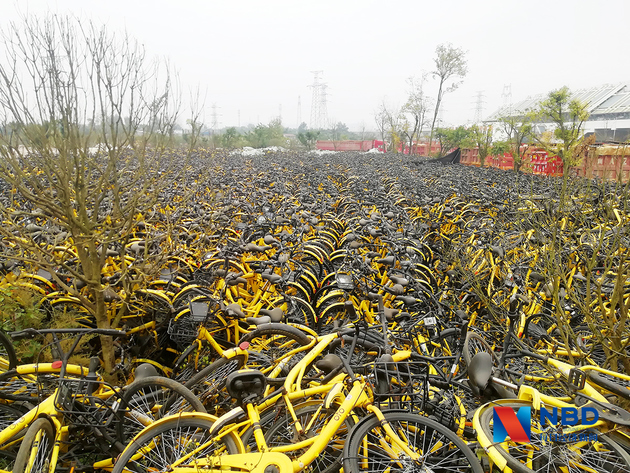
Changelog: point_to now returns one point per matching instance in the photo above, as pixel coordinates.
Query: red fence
(350, 145)
(535, 160)
(611, 162)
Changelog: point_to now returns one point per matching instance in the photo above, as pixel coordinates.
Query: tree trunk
(102, 321)
(435, 113)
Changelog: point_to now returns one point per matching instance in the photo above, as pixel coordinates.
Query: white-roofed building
(608, 105)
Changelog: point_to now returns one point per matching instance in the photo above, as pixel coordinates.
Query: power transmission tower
(479, 107)
(280, 112)
(323, 109)
(319, 101)
(215, 118)
(315, 101)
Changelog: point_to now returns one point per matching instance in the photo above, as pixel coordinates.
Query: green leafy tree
(450, 64)
(308, 138)
(231, 138)
(517, 129)
(263, 136)
(480, 136)
(450, 138)
(568, 115)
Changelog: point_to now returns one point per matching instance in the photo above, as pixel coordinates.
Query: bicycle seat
(235, 309)
(328, 363)
(538, 277)
(244, 383)
(407, 300)
(388, 261)
(396, 289)
(270, 240)
(390, 314)
(399, 280)
(272, 278)
(145, 370)
(497, 251)
(256, 248)
(276, 315)
(480, 372)
(265, 319)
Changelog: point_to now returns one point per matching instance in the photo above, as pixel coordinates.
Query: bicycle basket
(81, 409)
(399, 385)
(183, 329)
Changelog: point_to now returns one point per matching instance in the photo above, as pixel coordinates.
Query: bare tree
(380, 117)
(66, 85)
(391, 124)
(450, 63)
(195, 121)
(416, 107)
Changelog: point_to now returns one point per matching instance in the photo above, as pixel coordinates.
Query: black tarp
(451, 158)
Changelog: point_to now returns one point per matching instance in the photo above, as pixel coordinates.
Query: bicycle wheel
(8, 358)
(208, 385)
(273, 342)
(543, 453)
(608, 383)
(36, 449)
(369, 448)
(147, 400)
(157, 449)
(8, 415)
(475, 344)
(313, 419)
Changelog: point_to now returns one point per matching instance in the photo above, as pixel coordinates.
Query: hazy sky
(257, 55)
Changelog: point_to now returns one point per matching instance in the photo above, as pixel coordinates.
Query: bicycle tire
(313, 418)
(609, 385)
(8, 357)
(151, 451)
(36, 448)
(364, 449)
(153, 398)
(209, 383)
(273, 342)
(8, 415)
(555, 456)
(475, 343)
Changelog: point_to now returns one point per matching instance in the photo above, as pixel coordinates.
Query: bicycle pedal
(577, 379)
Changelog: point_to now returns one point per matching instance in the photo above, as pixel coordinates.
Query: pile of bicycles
(335, 312)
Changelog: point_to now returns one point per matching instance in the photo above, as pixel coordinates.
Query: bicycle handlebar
(31, 332)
